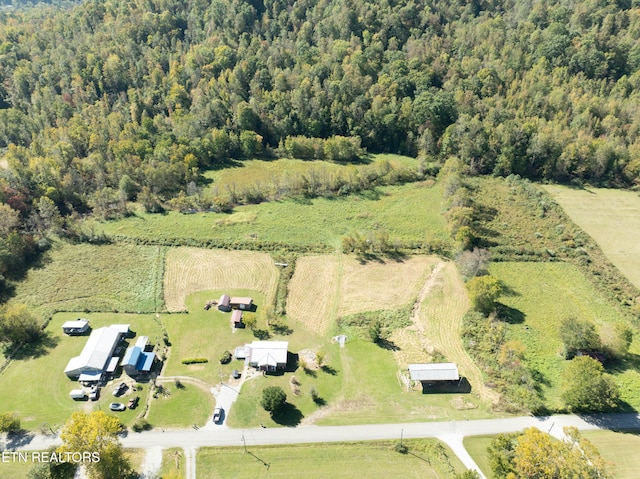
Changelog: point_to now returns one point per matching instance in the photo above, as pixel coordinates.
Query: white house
(267, 355)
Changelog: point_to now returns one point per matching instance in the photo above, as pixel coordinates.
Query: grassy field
(408, 213)
(97, 278)
(611, 218)
(347, 460)
(35, 386)
(618, 448)
(189, 270)
(281, 171)
(313, 290)
(191, 403)
(543, 294)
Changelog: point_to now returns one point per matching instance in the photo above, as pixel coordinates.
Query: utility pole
(401, 433)
(245, 443)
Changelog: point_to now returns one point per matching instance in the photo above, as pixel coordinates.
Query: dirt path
(440, 313)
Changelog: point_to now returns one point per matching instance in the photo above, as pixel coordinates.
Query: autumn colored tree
(96, 433)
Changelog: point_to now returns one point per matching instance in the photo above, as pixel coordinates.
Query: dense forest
(108, 101)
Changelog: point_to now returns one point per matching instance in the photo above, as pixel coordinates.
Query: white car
(117, 406)
(217, 414)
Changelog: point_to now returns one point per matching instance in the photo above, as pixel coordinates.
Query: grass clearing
(541, 295)
(611, 218)
(88, 277)
(36, 387)
(617, 448)
(189, 270)
(182, 406)
(343, 460)
(409, 213)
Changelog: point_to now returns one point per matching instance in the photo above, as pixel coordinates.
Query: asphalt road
(450, 432)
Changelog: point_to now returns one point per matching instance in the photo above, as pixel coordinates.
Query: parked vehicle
(121, 388)
(217, 414)
(94, 392)
(235, 374)
(133, 402)
(117, 406)
(77, 394)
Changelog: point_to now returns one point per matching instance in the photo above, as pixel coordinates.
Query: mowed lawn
(540, 296)
(207, 334)
(620, 449)
(409, 213)
(611, 218)
(86, 277)
(360, 386)
(36, 388)
(345, 460)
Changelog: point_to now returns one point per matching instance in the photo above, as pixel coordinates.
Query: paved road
(310, 434)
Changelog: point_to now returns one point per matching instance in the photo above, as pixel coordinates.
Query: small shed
(434, 372)
(236, 318)
(239, 302)
(224, 303)
(73, 328)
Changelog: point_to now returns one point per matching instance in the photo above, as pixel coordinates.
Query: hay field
(312, 291)
(372, 286)
(188, 270)
(326, 287)
(611, 218)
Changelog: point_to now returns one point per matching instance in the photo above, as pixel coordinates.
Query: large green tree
(587, 388)
(273, 398)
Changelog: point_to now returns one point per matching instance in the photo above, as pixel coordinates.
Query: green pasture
(618, 448)
(408, 213)
(342, 460)
(36, 388)
(86, 277)
(611, 218)
(539, 296)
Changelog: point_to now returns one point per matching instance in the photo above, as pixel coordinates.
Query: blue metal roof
(145, 362)
(132, 356)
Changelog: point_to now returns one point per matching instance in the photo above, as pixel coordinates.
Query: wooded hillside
(114, 100)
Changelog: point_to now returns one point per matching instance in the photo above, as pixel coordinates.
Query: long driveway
(450, 432)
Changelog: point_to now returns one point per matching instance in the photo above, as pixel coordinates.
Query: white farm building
(96, 354)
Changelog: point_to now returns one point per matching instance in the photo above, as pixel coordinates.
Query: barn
(244, 303)
(432, 372)
(224, 303)
(95, 355)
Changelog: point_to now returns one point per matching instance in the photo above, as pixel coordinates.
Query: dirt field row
(189, 270)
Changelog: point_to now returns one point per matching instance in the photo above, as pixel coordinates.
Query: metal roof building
(96, 353)
(434, 372)
(268, 355)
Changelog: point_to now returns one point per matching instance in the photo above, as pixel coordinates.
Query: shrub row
(194, 360)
